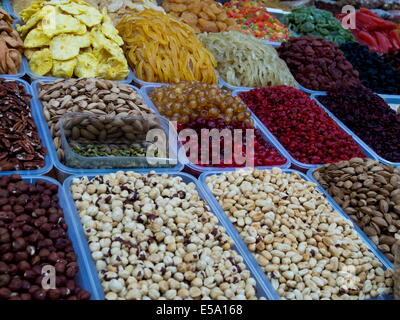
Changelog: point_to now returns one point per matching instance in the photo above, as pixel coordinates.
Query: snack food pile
(199, 150)
(72, 39)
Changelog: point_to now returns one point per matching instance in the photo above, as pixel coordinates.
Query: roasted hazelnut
(64, 292)
(3, 267)
(7, 257)
(39, 294)
(5, 293)
(24, 266)
(44, 253)
(21, 255)
(61, 281)
(25, 285)
(15, 284)
(27, 229)
(53, 294)
(17, 233)
(60, 267)
(4, 280)
(33, 289)
(19, 244)
(53, 257)
(83, 295)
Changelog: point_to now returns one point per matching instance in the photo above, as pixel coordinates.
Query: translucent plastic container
(42, 134)
(389, 99)
(305, 166)
(130, 130)
(63, 170)
(263, 289)
(218, 209)
(84, 277)
(196, 169)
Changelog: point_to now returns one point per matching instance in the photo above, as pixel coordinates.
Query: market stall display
(369, 117)
(374, 72)
(188, 101)
(21, 147)
(201, 15)
(71, 39)
(256, 20)
(159, 241)
(162, 49)
(245, 61)
(33, 235)
(10, 46)
(378, 34)
(300, 242)
(309, 134)
(310, 21)
(93, 96)
(369, 192)
(318, 64)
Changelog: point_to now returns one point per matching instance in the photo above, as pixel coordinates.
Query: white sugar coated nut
(152, 237)
(307, 250)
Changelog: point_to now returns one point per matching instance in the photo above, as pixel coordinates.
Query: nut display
(188, 101)
(10, 46)
(152, 237)
(33, 235)
(93, 96)
(71, 38)
(369, 192)
(20, 144)
(201, 15)
(307, 250)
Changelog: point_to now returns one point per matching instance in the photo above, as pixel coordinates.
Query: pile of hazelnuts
(34, 244)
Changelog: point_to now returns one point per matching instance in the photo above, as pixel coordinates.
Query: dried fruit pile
(378, 34)
(33, 235)
(160, 48)
(256, 20)
(264, 154)
(310, 21)
(318, 64)
(300, 125)
(369, 117)
(201, 15)
(70, 39)
(369, 192)
(20, 144)
(245, 61)
(188, 101)
(10, 46)
(374, 72)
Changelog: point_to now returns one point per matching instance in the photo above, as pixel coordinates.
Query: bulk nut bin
(264, 143)
(280, 102)
(22, 134)
(153, 236)
(389, 126)
(91, 96)
(306, 248)
(117, 142)
(37, 234)
(368, 192)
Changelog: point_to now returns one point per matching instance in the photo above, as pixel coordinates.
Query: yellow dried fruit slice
(64, 47)
(36, 38)
(99, 41)
(29, 52)
(41, 62)
(60, 23)
(108, 29)
(46, 11)
(86, 66)
(83, 41)
(64, 69)
(91, 17)
(73, 8)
